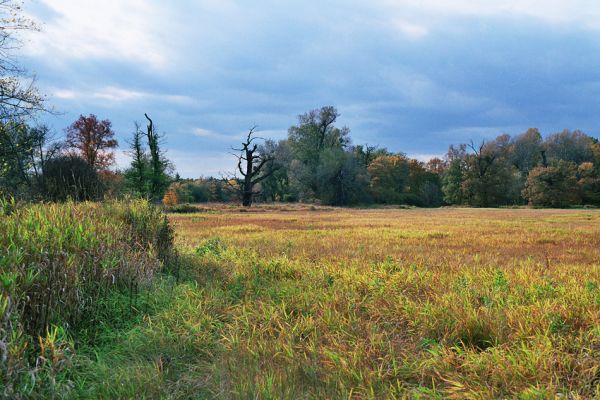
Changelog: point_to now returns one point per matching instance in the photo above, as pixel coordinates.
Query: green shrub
(183, 209)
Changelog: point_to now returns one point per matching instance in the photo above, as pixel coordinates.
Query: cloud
(118, 95)
(424, 157)
(64, 94)
(190, 164)
(412, 30)
(128, 31)
(464, 134)
(206, 133)
(580, 12)
(195, 164)
(263, 134)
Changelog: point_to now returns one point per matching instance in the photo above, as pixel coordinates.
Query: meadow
(389, 303)
(309, 302)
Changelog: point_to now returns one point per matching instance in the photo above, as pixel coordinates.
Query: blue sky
(411, 75)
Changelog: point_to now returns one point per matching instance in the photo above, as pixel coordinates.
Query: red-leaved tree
(92, 140)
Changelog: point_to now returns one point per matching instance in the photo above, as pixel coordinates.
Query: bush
(58, 263)
(170, 198)
(182, 209)
(69, 177)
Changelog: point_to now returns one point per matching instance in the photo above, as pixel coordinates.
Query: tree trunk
(247, 195)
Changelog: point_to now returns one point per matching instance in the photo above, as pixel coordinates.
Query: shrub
(170, 198)
(183, 209)
(69, 177)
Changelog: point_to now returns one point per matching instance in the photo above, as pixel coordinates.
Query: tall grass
(59, 263)
(419, 304)
(324, 304)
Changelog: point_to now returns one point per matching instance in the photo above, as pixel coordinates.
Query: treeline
(318, 162)
(559, 171)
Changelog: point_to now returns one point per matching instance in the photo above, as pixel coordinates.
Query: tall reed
(58, 263)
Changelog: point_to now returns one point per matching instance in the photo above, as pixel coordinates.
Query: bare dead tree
(250, 165)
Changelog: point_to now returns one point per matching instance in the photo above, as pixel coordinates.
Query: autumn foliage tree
(170, 198)
(92, 140)
(396, 179)
(552, 186)
(389, 178)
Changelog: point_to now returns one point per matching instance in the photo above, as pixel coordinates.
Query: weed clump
(213, 245)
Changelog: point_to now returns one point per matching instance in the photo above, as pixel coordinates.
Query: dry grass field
(305, 302)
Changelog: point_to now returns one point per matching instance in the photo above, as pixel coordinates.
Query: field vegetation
(112, 299)
(299, 301)
(388, 303)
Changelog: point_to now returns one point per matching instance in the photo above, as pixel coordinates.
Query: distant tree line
(318, 162)
(558, 171)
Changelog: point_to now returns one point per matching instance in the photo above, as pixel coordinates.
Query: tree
(19, 97)
(483, 177)
(573, 146)
(452, 182)
(367, 154)
(396, 179)
(250, 165)
(276, 186)
(389, 179)
(93, 141)
(159, 179)
(342, 178)
(314, 134)
(588, 180)
(170, 199)
(147, 175)
(526, 151)
(488, 179)
(454, 174)
(24, 152)
(137, 175)
(437, 166)
(552, 186)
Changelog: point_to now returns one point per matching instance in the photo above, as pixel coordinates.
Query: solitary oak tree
(92, 140)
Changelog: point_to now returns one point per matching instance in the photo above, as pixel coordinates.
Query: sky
(411, 75)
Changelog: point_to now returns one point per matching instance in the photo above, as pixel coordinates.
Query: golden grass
(393, 303)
